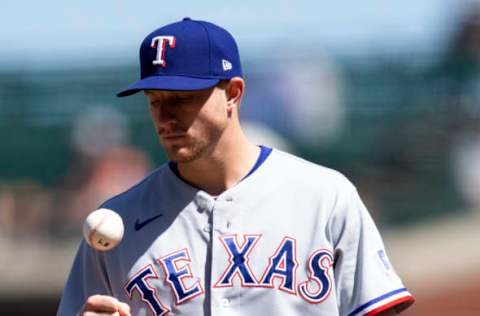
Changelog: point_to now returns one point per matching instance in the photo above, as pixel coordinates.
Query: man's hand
(103, 305)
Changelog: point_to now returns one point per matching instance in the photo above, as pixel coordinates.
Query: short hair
(222, 84)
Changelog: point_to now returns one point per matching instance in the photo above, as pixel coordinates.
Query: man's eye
(172, 101)
(182, 100)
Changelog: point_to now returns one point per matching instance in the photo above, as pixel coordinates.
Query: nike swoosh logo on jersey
(139, 225)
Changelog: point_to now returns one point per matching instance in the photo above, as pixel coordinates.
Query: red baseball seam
(94, 229)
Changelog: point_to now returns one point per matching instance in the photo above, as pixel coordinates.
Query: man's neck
(224, 167)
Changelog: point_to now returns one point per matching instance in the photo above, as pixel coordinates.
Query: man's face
(188, 123)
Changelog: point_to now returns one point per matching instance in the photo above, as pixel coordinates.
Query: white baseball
(103, 229)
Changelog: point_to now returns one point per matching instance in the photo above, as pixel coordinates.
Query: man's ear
(234, 90)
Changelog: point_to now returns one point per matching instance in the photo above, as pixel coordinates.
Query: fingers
(99, 305)
(123, 309)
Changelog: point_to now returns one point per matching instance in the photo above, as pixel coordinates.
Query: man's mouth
(173, 136)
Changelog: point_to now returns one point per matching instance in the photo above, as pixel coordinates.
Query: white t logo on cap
(161, 43)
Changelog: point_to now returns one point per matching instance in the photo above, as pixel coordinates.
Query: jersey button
(225, 302)
(207, 228)
(203, 201)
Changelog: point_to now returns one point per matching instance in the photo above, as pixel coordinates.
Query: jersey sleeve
(87, 277)
(365, 281)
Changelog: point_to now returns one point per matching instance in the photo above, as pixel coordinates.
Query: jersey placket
(221, 297)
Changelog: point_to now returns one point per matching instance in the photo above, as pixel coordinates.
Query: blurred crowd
(103, 166)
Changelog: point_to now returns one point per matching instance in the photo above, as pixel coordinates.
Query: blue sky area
(36, 33)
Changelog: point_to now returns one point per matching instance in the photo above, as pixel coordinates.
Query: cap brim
(179, 83)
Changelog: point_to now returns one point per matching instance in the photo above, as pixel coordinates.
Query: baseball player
(227, 227)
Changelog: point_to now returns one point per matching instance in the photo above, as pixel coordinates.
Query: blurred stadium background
(386, 93)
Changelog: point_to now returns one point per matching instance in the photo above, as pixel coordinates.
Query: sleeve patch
(384, 260)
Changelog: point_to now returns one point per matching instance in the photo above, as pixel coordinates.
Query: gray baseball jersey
(292, 238)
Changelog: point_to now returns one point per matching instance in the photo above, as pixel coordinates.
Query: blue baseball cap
(186, 55)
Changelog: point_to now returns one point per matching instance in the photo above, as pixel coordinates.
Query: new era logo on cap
(186, 55)
(226, 65)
